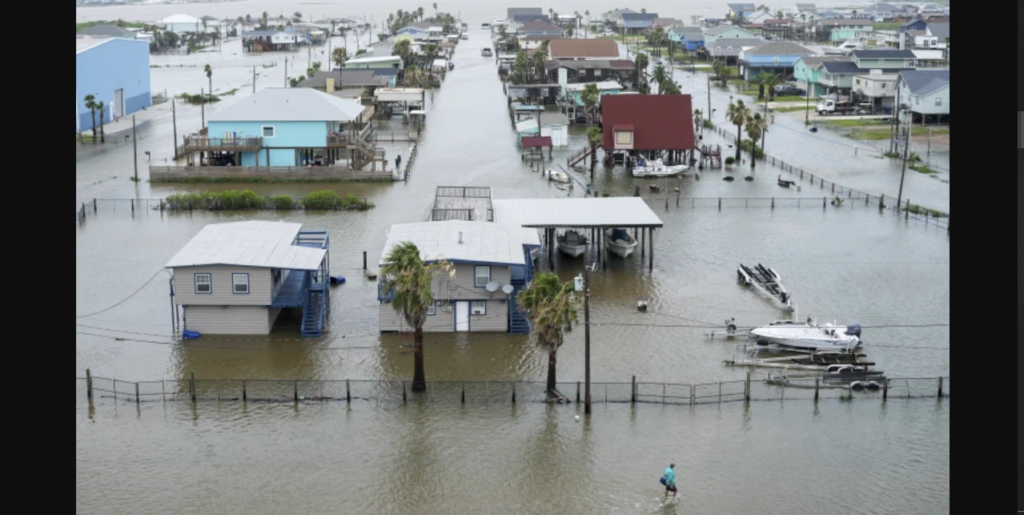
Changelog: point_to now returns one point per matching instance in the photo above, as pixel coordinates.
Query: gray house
(235, 278)
(492, 264)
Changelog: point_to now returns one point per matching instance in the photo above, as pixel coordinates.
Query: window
(277, 277)
(883, 85)
(938, 101)
(478, 307)
(204, 284)
(623, 137)
(482, 276)
(858, 82)
(268, 131)
(597, 72)
(240, 284)
(432, 309)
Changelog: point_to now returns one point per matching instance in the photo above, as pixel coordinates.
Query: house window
(482, 276)
(478, 307)
(938, 101)
(597, 72)
(268, 131)
(858, 82)
(624, 138)
(240, 284)
(432, 309)
(204, 284)
(883, 85)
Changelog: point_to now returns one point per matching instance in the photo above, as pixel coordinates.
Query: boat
(572, 243)
(464, 36)
(656, 168)
(451, 65)
(486, 52)
(809, 337)
(766, 281)
(485, 25)
(786, 183)
(556, 176)
(619, 242)
(846, 48)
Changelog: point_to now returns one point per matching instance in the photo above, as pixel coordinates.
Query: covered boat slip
(594, 214)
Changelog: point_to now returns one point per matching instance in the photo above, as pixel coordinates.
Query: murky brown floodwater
(849, 263)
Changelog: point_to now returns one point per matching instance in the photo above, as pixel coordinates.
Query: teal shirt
(670, 477)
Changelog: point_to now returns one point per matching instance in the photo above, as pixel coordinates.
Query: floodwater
(851, 264)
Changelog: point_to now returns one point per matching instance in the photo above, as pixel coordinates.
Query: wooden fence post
(577, 392)
(513, 392)
(348, 393)
(245, 392)
(885, 390)
(137, 391)
(463, 392)
(746, 388)
(295, 390)
(881, 202)
(404, 399)
(192, 386)
(632, 396)
(364, 260)
(88, 384)
(940, 387)
(824, 202)
(94, 205)
(719, 203)
(817, 384)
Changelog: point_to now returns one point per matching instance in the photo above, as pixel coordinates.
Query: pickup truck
(788, 90)
(826, 107)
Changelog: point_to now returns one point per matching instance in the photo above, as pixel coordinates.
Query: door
(461, 317)
(118, 108)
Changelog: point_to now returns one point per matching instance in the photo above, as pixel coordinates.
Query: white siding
(463, 287)
(260, 286)
(247, 320)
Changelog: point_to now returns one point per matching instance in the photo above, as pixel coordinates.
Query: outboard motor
(853, 330)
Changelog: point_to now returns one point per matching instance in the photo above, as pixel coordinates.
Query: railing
(463, 192)
(441, 215)
(337, 141)
(205, 143)
(315, 239)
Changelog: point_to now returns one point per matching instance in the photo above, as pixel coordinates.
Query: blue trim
(476, 276)
(471, 314)
(247, 289)
(195, 283)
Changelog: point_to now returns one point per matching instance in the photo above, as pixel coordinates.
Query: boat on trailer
(768, 282)
(808, 337)
(619, 242)
(572, 242)
(657, 168)
(556, 176)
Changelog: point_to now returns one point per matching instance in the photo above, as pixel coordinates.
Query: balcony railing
(203, 143)
(337, 141)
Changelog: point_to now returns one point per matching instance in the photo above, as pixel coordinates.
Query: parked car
(788, 90)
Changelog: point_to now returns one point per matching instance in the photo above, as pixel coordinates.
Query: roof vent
(460, 237)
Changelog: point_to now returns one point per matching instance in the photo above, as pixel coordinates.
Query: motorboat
(846, 48)
(556, 176)
(619, 242)
(572, 243)
(808, 337)
(656, 168)
(766, 281)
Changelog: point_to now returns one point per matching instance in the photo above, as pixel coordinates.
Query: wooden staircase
(579, 156)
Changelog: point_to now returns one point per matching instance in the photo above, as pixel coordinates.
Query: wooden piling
(632, 396)
(348, 393)
(746, 388)
(364, 260)
(463, 392)
(940, 387)
(817, 385)
(881, 202)
(513, 393)
(404, 398)
(885, 390)
(192, 386)
(137, 392)
(719, 203)
(773, 202)
(245, 392)
(295, 391)
(88, 384)
(577, 392)
(94, 205)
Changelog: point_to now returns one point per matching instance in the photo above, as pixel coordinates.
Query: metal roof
(180, 18)
(576, 212)
(606, 85)
(370, 60)
(106, 29)
(536, 141)
(540, 26)
(779, 48)
(289, 105)
(939, 30)
(569, 48)
(257, 244)
(663, 122)
(814, 61)
(462, 241)
(83, 43)
(883, 54)
(924, 82)
(360, 78)
(850, 68)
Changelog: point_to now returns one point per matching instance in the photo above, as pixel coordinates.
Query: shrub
(328, 199)
(745, 147)
(213, 200)
(730, 160)
(283, 202)
(918, 210)
(707, 124)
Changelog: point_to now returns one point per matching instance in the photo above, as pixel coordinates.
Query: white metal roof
(576, 212)
(290, 105)
(607, 85)
(83, 43)
(250, 244)
(399, 94)
(481, 242)
(180, 18)
(368, 60)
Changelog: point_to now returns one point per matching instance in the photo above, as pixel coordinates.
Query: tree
(431, 51)
(670, 87)
(413, 76)
(502, 31)
(716, 66)
(697, 118)
(419, 12)
(640, 73)
(724, 75)
(754, 128)
(768, 81)
(587, 13)
(569, 32)
(209, 77)
(91, 105)
(590, 96)
(435, 9)
(643, 11)
(519, 68)
(738, 114)
(103, 136)
(248, 19)
(657, 38)
(660, 77)
(594, 138)
(172, 38)
(551, 310)
(297, 17)
(265, 19)
(410, 282)
(539, 57)
(340, 55)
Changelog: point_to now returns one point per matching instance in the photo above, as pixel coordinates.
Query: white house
(183, 23)
(925, 93)
(554, 124)
(878, 87)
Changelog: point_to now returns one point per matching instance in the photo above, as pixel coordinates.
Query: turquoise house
(280, 127)
(727, 31)
(808, 70)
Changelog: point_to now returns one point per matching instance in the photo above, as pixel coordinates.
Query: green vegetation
(199, 99)
(853, 123)
(790, 109)
(923, 168)
(868, 135)
(790, 98)
(887, 25)
(745, 146)
(918, 210)
(269, 180)
(730, 160)
(283, 202)
(708, 124)
(229, 93)
(120, 23)
(328, 199)
(248, 199)
(880, 133)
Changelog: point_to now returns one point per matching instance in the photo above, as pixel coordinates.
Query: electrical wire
(126, 299)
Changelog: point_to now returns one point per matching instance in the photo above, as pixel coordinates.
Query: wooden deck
(205, 144)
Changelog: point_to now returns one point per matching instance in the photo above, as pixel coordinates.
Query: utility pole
(894, 132)
(309, 58)
(135, 150)
(254, 79)
(709, 99)
(906, 154)
(807, 110)
(586, 337)
(202, 109)
(286, 71)
(174, 121)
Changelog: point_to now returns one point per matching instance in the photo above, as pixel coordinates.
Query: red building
(648, 125)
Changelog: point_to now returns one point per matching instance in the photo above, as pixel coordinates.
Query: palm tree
(209, 77)
(640, 77)
(587, 13)
(431, 51)
(266, 18)
(551, 310)
(724, 75)
(590, 96)
(413, 77)
(738, 114)
(670, 87)
(90, 104)
(410, 280)
(594, 138)
(716, 66)
(660, 77)
(340, 55)
(435, 9)
(248, 20)
(657, 39)
(754, 127)
(538, 59)
(768, 81)
(569, 32)
(419, 12)
(103, 136)
(697, 118)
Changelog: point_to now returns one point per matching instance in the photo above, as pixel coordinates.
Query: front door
(118, 108)
(461, 317)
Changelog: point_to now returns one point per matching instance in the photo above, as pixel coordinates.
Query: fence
(246, 173)
(833, 189)
(392, 136)
(391, 393)
(221, 203)
(403, 174)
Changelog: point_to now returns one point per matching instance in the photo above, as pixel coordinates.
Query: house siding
(925, 104)
(290, 135)
(247, 320)
(260, 286)
(463, 288)
(103, 69)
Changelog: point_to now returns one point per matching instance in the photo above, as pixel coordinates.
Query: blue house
(778, 57)
(280, 127)
(116, 72)
(634, 23)
(690, 38)
(739, 10)
(913, 25)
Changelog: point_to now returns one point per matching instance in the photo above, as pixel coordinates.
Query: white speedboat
(572, 243)
(656, 168)
(846, 48)
(766, 281)
(619, 242)
(556, 176)
(809, 337)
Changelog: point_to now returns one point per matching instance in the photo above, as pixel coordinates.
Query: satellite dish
(508, 289)
(492, 286)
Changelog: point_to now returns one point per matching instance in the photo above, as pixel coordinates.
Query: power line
(125, 299)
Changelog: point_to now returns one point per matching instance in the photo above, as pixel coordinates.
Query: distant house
(940, 31)
(281, 127)
(757, 17)
(774, 57)
(926, 93)
(898, 59)
(614, 17)
(235, 278)
(913, 25)
(331, 81)
(116, 72)
(492, 265)
(808, 70)
(606, 87)
(533, 42)
(523, 11)
(105, 30)
(837, 76)
(268, 40)
(690, 38)
(583, 49)
(845, 28)
(589, 71)
(181, 24)
(713, 34)
(728, 49)
(805, 8)
(828, 14)
(635, 23)
(393, 61)
(553, 124)
(647, 124)
(878, 88)
(540, 28)
(739, 10)
(519, 19)
(665, 23)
